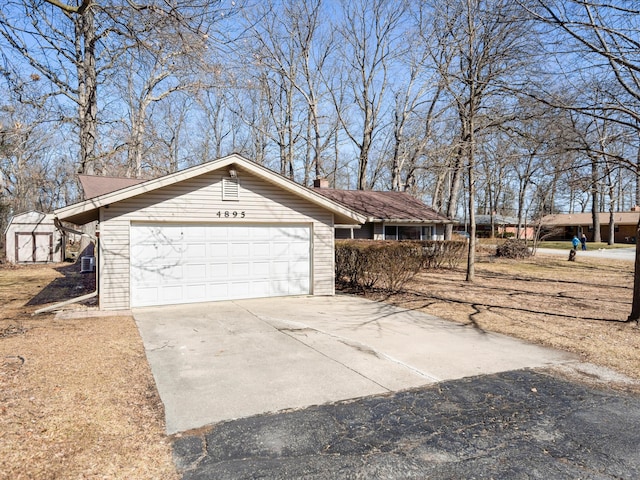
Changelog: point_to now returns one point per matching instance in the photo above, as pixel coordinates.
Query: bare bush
(389, 265)
(513, 248)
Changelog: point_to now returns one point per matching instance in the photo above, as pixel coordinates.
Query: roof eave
(408, 220)
(88, 209)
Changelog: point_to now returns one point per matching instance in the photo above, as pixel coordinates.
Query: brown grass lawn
(77, 398)
(577, 306)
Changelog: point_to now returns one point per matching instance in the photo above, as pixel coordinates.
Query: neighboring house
(389, 215)
(505, 226)
(226, 229)
(563, 226)
(32, 237)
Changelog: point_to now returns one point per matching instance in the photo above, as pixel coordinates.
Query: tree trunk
(471, 255)
(595, 204)
(87, 89)
(634, 316)
(363, 160)
(470, 146)
(452, 205)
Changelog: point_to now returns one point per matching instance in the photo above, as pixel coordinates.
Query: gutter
(56, 306)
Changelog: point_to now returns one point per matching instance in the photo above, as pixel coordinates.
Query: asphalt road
(512, 425)
(613, 253)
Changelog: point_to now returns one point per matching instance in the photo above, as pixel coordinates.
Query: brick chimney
(321, 183)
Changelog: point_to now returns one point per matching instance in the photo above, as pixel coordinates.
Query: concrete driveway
(226, 360)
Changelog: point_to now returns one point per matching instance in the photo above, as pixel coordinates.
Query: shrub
(513, 248)
(389, 265)
(441, 254)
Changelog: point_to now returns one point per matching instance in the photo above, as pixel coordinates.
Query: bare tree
(74, 45)
(417, 108)
(481, 45)
(370, 39)
(604, 31)
(32, 175)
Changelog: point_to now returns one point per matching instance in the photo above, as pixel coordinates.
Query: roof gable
(385, 206)
(88, 210)
(32, 216)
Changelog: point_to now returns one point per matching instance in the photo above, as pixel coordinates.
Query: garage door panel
(218, 251)
(260, 269)
(196, 271)
(239, 249)
(175, 251)
(280, 249)
(298, 269)
(240, 233)
(196, 250)
(240, 270)
(280, 269)
(299, 249)
(260, 250)
(172, 293)
(220, 233)
(196, 292)
(261, 289)
(218, 271)
(197, 263)
(218, 291)
(145, 296)
(239, 290)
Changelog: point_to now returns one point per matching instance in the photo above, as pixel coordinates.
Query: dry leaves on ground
(77, 399)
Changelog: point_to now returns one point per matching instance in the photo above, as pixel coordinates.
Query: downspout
(81, 298)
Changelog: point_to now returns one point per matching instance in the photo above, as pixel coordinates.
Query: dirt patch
(77, 398)
(579, 306)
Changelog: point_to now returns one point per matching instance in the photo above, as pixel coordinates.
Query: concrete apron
(226, 360)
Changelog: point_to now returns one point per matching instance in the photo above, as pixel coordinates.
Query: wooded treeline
(519, 107)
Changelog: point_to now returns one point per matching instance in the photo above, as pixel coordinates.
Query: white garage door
(173, 263)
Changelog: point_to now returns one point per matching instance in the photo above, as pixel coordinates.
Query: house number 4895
(228, 214)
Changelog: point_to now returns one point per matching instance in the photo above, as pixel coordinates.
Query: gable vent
(230, 189)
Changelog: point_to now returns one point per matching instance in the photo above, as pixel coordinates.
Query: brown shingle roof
(94, 185)
(384, 206)
(577, 219)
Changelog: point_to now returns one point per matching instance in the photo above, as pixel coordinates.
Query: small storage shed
(226, 229)
(32, 237)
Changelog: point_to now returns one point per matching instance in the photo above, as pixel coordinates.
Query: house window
(230, 189)
(409, 233)
(403, 232)
(390, 232)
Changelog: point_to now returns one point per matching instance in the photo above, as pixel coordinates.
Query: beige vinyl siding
(199, 200)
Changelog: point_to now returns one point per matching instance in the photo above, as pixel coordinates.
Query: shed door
(33, 246)
(174, 263)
